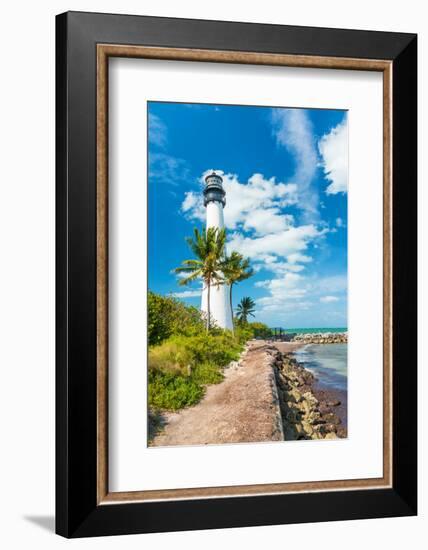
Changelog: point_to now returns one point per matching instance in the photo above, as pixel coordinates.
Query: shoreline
(265, 396)
(310, 409)
(325, 392)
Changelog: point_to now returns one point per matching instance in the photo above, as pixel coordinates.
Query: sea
(314, 330)
(328, 362)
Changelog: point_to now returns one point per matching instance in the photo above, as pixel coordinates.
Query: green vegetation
(168, 316)
(168, 390)
(259, 330)
(184, 358)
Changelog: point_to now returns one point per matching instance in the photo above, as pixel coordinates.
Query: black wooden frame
(77, 512)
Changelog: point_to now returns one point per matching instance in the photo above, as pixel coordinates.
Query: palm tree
(208, 247)
(235, 269)
(246, 307)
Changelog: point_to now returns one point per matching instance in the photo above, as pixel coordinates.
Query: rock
(323, 408)
(296, 395)
(301, 381)
(306, 406)
(325, 428)
(331, 418)
(314, 417)
(307, 428)
(342, 433)
(299, 429)
(331, 428)
(310, 398)
(321, 338)
(304, 414)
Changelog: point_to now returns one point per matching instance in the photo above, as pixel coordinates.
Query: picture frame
(84, 44)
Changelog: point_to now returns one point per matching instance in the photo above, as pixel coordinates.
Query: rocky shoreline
(321, 338)
(308, 412)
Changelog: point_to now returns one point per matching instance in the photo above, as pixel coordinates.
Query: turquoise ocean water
(314, 330)
(328, 362)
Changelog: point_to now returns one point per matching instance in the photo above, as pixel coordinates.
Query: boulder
(331, 418)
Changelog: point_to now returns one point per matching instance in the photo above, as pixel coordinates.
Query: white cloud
(269, 220)
(254, 206)
(332, 284)
(333, 148)
(297, 257)
(340, 222)
(283, 243)
(292, 292)
(328, 299)
(284, 267)
(193, 206)
(293, 130)
(168, 169)
(158, 132)
(288, 291)
(187, 294)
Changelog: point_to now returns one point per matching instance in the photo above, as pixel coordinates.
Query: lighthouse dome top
(214, 179)
(214, 191)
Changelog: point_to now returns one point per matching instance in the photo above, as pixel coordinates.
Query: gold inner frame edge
(104, 51)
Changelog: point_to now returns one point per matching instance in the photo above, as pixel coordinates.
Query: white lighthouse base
(220, 311)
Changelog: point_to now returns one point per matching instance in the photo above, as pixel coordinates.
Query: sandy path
(242, 408)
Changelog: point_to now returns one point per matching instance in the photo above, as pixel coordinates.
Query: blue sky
(285, 173)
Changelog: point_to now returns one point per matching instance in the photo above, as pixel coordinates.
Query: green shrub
(172, 391)
(243, 333)
(260, 330)
(207, 373)
(168, 316)
(182, 357)
(170, 356)
(218, 349)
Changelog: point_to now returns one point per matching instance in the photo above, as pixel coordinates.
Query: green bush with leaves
(181, 366)
(207, 373)
(260, 330)
(182, 353)
(243, 333)
(172, 391)
(170, 356)
(183, 358)
(219, 349)
(168, 316)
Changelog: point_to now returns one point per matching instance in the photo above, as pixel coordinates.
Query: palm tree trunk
(208, 306)
(231, 308)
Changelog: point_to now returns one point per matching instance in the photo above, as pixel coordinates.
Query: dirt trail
(242, 408)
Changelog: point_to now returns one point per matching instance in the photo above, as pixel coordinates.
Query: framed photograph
(236, 274)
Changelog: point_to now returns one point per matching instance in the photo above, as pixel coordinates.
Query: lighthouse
(214, 202)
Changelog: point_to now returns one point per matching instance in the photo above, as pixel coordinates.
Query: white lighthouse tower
(214, 202)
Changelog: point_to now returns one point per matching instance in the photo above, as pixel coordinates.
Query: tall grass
(181, 367)
(183, 359)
